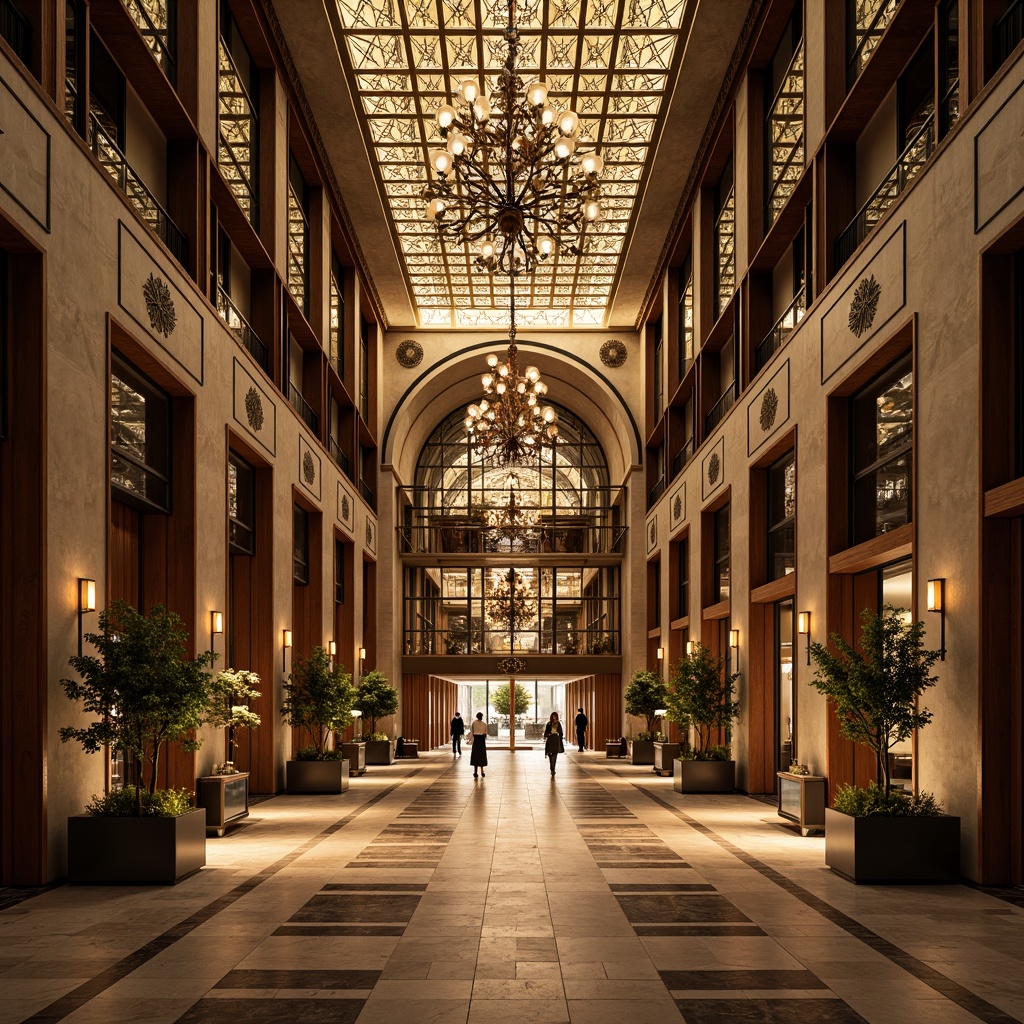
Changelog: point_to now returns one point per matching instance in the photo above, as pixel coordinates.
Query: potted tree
(377, 698)
(145, 693)
(645, 695)
(225, 794)
(700, 695)
(881, 834)
(318, 695)
(500, 702)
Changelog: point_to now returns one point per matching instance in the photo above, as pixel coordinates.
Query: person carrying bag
(553, 745)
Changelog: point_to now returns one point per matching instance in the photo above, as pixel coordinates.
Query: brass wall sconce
(332, 648)
(734, 643)
(661, 653)
(690, 647)
(286, 645)
(803, 627)
(86, 604)
(216, 627)
(937, 603)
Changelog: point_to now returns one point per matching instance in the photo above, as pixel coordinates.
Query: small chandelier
(510, 425)
(513, 515)
(511, 604)
(512, 177)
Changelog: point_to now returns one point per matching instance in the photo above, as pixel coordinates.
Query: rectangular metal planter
(355, 754)
(881, 849)
(641, 752)
(703, 776)
(135, 851)
(225, 799)
(316, 776)
(664, 757)
(802, 800)
(380, 752)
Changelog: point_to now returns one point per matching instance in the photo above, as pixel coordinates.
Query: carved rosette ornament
(369, 533)
(409, 353)
(864, 305)
(613, 354)
(345, 508)
(159, 306)
(511, 666)
(653, 533)
(677, 507)
(308, 468)
(714, 468)
(769, 410)
(254, 409)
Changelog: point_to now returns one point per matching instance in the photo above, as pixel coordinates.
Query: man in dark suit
(581, 730)
(458, 728)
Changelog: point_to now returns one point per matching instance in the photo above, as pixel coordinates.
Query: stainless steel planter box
(135, 851)
(704, 776)
(641, 752)
(355, 754)
(664, 756)
(881, 849)
(316, 776)
(380, 751)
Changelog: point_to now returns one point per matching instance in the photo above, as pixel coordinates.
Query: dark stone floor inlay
(274, 1011)
(391, 909)
(299, 979)
(340, 929)
(669, 930)
(767, 1011)
(672, 908)
(744, 979)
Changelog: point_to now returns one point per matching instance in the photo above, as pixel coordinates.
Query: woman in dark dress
(478, 755)
(553, 740)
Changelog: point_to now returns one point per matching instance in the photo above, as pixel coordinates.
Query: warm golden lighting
(332, 648)
(362, 654)
(661, 653)
(734, 638)
(803, 623)
(690, 647)
(287, 638)
(936, 592)
(216, 623)
(86, 595)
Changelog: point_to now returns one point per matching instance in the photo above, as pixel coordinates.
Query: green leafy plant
(230, 694)
(500, 699)
(318, 697)
(874, 801)
(645, 695)
(875, 690)
(700, 695)
(122, 803)
(312, 753)
(378, 737)
(143, 689)
(716, 752)
(658, 737)
(376, 698)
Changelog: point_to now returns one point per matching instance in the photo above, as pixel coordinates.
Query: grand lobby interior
(515, 345)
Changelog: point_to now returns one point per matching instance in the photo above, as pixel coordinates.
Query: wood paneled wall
(307, 606)
(428, 705)
(601, 699)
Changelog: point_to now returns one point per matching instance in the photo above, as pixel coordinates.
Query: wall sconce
(734, 643)
(362, 654)
(803, 627)
(332, 648)
(286, 644)
(86, 603)
(937, 603)
(216, 627)
(690, 645)
(661, 653)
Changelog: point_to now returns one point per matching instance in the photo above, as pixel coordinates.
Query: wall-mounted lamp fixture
(803, 627)
(286, 644)
(937, 603)
(661, 653)
(734, 643)
(216, 627)
(332, 648)
(362, 654)
(86, 603)
(690, 646)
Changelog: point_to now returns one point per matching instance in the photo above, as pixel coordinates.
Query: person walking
(581, 730)
(458, 730)
(553, 740)
(478, 755)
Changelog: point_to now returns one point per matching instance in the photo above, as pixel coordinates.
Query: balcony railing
(113, 160)
(492, 639)
(230, 314)
(682, 457)
(339, 456)
(303, 408)
(473, 536)
(1007, 32)
(16, 29)
(721, 407)
(865, 38)
(655, 492)
(903, 172)
(154, 20)
(368, 496)
(784, 327)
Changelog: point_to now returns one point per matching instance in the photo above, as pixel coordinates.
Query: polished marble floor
(597, 896)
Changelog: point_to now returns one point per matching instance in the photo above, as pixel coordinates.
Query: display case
(802, 800)
(225, 798)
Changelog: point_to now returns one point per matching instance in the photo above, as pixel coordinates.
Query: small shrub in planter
(645, 695)
(318, 698)
(376, 698)
(230, 695)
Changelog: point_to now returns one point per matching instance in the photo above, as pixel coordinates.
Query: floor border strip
(934, 979)
(71, 1001)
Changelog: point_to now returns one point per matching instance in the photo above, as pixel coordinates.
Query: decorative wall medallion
(769, 409)
(677, 507)
(409, 353)
(511, 666)
(613, 353)
(159, 306)
(653, 536)
(308, 468)
(864, 305)
(369, 533)
(254, 409)
(714, 468)
(346, 510)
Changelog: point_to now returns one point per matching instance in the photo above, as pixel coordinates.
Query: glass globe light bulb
(568, 122)
(445, 115)
(474, 411)
(482, 109)
(564, 147)
(469, 89)
(532, 374)
(487, 249)
(592, 163)
(521, 387)
(592, 209)
(487, 380)
(545, 245)
(441, 160)
(492, 360)
(435, 208)
(549, 414)
(500, 387)
(503, 370)
(548, 115)
(537, 94)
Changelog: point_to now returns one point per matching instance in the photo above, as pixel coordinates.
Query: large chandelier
(511, 602)
(510, 424)
(513, 177)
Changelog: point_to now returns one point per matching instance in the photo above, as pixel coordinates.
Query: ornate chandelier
(509, 424)
(513, 177)
(513, 515)
(511, 603)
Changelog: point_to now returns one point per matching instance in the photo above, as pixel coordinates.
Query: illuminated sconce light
(937, 603)
(803, 627)
(86, 603)
(216, 627)
(734, 643)
(661, 653)
(362, 654)
(690, 647)
(332, 648)
(286, 644)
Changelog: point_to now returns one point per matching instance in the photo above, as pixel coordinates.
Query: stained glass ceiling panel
(613, 61)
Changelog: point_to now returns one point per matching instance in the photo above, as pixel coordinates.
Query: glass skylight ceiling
(613, 61)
